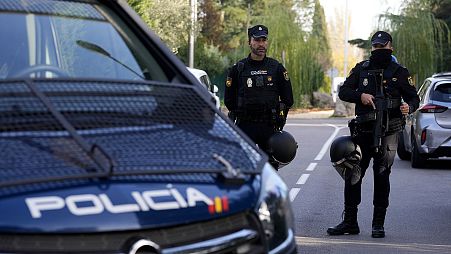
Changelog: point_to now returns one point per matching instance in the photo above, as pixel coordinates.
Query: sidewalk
(310, 114)
(302, 114)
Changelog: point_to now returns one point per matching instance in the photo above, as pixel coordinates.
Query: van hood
(124, 206)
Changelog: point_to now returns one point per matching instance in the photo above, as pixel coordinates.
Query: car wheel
(417, 160)
(402, 151)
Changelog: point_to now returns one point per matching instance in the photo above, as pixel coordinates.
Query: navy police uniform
(397, 86)
(254, 93)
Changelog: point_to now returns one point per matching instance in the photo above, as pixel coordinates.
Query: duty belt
(389, 104)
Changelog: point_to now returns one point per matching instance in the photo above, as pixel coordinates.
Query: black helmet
(345, 156)
(282, 147)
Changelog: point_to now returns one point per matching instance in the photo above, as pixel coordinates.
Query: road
(418, 219)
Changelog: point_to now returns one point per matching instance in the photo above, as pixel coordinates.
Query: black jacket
(279, 78)
(399, 86)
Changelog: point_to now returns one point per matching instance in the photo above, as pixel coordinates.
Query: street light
(192, 33)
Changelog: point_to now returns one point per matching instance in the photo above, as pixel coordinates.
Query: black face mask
(381, 57)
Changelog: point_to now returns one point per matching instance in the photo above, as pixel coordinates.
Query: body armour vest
(258, 91)
(369, 81)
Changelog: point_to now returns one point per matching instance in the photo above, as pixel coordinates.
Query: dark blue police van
(109, 145)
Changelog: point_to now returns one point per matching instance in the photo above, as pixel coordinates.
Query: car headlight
(274, 210)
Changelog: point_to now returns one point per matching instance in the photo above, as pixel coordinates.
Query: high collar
(256, 62)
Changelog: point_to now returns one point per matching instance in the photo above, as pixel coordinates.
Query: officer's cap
(258, 31)
(380, 37)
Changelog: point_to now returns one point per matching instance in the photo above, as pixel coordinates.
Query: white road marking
(302, 179)
(311, 166)
(328, 142)
(293, 193)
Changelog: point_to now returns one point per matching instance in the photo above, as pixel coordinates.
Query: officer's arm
(231, 89)
(408, 90)
(285, 89)
(348, 91)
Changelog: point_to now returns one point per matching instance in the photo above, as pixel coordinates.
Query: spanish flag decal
(220, 205)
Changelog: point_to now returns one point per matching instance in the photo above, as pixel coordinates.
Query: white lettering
(124, 208)
(90, 204)
(36, 205)
(139, 199)
(196, 196)
(176, 194)
(149, 195)
(261, 72)
(96, 208)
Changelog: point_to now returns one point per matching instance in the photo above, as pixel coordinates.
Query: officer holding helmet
(258, 92)
(360, 88)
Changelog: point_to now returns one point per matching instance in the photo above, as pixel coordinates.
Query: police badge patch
(410, 81)
(229, 82)
(285, 75)
(365, 82)
(249, 82)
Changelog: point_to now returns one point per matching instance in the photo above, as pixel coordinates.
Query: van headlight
(274, 209)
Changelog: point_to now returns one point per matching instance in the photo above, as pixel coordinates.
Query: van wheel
(402, 151)
(417, 160)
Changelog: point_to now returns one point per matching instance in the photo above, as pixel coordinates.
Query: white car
(202, 76)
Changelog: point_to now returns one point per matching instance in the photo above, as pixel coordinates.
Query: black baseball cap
(258, 31)
(380, 37)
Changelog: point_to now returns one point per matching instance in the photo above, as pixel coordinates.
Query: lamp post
(345, 64)
(192, 32)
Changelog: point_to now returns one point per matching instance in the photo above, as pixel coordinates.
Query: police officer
(359, 88)
(258, 91)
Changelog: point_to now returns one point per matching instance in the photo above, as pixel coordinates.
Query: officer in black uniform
(258, 91)
(359, 88)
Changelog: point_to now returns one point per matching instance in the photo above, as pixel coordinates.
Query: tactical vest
(368, 83)
(258, 92)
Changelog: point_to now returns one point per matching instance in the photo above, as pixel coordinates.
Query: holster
(353, 128)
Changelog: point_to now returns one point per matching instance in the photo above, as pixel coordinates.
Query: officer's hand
(367, 100)
(404, 108)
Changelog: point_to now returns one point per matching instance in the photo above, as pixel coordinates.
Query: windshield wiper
(232, 176)
(94, 151)
(96, 48)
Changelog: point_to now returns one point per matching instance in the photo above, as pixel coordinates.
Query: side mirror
(215, 89)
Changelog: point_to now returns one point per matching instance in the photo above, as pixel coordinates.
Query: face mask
(381, 57)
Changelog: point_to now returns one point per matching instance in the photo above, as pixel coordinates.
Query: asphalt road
(418, 219)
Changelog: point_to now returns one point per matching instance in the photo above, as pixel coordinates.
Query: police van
(109, 145)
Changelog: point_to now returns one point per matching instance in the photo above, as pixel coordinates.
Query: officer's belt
(259, 117)
(389, 104)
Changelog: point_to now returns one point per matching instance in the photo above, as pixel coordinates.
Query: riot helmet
(282, 147)
(345, 156)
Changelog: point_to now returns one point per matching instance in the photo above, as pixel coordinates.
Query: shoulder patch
(229, 82)
(410, 81)
(285, 75)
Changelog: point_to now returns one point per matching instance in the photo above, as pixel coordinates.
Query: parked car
(427, 133)
(203, 78)
(109, 145)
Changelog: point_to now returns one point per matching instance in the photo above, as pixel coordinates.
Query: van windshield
(44, 40)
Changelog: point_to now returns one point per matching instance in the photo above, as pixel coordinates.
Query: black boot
(349, 224)
(378, 222)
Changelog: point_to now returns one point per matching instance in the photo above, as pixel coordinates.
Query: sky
(363, 13)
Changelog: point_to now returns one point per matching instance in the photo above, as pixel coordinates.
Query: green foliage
(171, 20)
(222, 38)
(419, 38)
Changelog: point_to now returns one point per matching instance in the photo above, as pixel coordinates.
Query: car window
(205, 81)
(423, 89)
(442, 93)
(87, 42)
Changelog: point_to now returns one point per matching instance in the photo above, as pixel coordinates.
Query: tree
(419, 37)
(170, 20)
